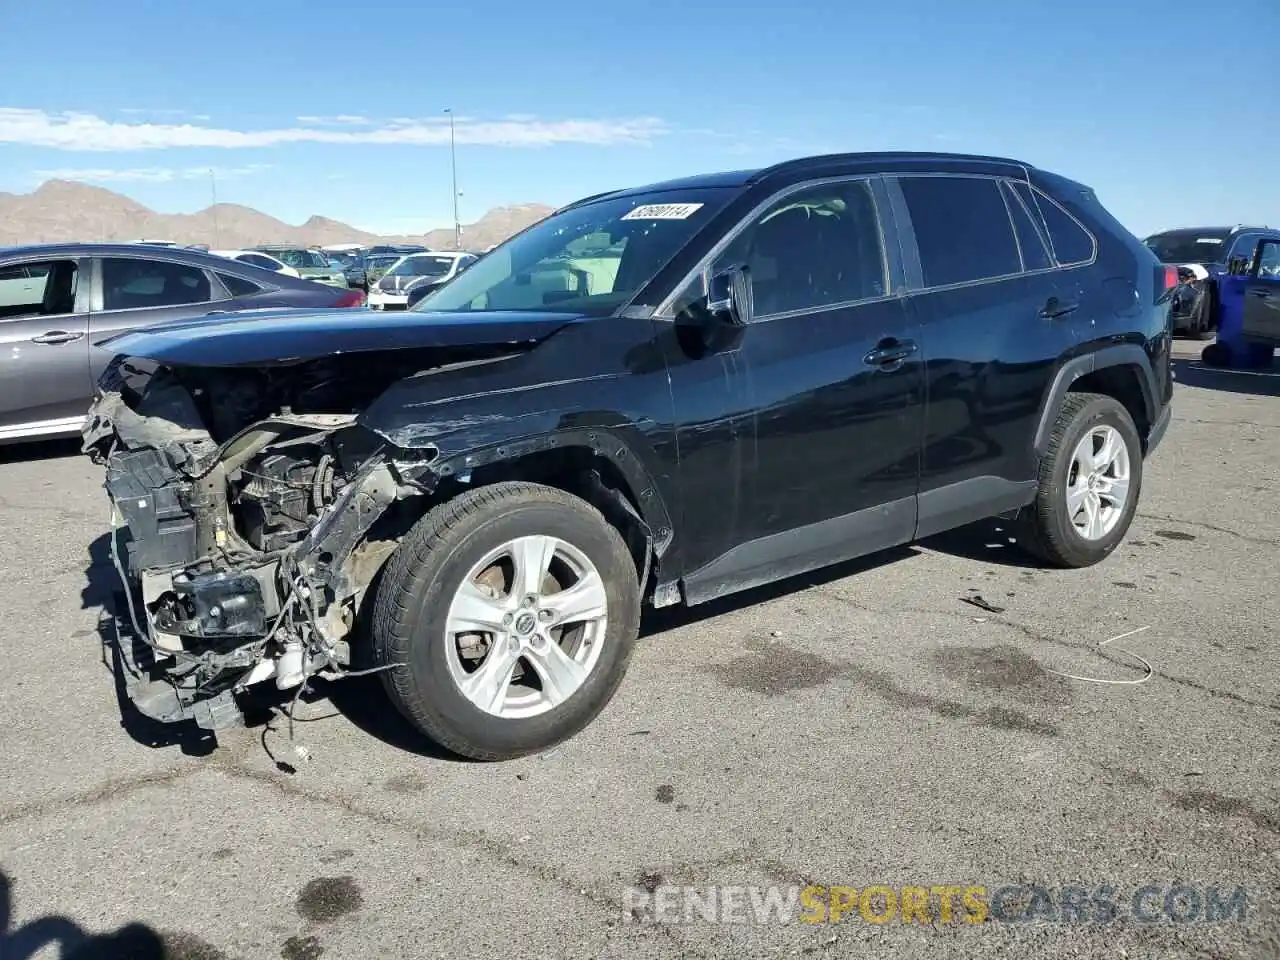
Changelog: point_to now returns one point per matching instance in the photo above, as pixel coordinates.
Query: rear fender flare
(1116, 355)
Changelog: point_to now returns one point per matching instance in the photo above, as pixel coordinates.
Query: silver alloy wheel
(526, 626)
(1098, 482)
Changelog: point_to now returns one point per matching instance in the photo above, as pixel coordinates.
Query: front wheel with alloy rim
(514, 609)
(1090, 479)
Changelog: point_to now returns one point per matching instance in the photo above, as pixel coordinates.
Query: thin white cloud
(89, 133)
(150, 174)
(341, 120)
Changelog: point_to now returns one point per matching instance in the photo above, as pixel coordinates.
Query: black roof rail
(804, 163)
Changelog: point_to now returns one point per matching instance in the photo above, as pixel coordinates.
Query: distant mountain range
(63, 210)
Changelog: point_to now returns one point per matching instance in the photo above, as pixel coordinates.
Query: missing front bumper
(148, 687)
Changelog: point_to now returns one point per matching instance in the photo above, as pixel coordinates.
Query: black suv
(656, 395)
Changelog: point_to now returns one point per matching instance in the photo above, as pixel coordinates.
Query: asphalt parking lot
(866, 726)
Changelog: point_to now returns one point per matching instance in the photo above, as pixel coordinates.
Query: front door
(826, 466)
(1262, 295)
(44, 360)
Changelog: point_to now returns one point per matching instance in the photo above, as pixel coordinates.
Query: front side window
(962, 228)
(1269, 260)
(590, 259)
(129, 283)
(1244, 246)
(47, 288)
(814, 248)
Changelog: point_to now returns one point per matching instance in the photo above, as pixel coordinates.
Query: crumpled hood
(270, 337)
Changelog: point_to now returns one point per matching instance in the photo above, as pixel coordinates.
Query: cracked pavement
(859, 726)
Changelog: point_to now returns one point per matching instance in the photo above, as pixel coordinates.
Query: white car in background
(258, 259)
(391, 292)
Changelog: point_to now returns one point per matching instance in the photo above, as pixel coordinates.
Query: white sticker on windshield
(664, 211)
(1213, 240)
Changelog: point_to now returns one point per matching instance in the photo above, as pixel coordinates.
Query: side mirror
(729, 295)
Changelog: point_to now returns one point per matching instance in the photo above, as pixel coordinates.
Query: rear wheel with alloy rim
(513, 609)
(1090, 479)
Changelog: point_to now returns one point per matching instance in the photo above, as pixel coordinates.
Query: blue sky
(337, 108)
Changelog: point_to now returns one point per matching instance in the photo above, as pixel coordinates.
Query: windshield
(590, 259)
(422, 267)
(300, 259)
(1188, 246)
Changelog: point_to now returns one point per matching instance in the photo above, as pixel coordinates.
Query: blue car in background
(1202, 256)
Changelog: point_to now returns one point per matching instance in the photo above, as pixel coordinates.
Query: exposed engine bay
(242, 503)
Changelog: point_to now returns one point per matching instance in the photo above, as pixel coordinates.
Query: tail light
(1166, 280)
(352, 298)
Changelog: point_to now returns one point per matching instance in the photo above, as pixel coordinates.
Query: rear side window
(1034, 254)
(266, 263)
(962, 229)
(1070, 241)
(239, 286)
(130, 283)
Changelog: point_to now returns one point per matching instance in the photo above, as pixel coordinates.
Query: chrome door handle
(57, 336)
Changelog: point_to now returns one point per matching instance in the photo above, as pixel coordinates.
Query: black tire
(412, 604)
(1215, 355)
(1205, 323)
(1044, 528)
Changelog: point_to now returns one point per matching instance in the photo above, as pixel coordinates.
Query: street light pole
(453, 165)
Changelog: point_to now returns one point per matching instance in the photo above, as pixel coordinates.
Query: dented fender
(477, 414)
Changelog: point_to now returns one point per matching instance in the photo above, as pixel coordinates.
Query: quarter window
(962, 229)
(129, 284)
(238, 286)
(1071, 242)
(814, 248)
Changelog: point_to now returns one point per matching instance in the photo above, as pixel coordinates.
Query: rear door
(995, 318)
(139, 291)
(1262, 294)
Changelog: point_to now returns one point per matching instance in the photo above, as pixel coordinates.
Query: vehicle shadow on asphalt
(102, 593)
(40, 450)
(133, 941)
(1257, 383)
(987, 541)
(363, 701)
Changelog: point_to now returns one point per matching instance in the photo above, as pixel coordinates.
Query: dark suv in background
(1201, 255)
(663, 394)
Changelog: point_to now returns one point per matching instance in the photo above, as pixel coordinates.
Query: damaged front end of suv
(245, 499)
